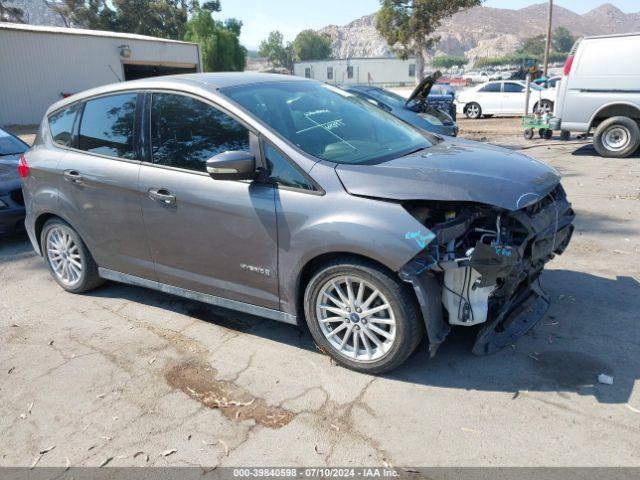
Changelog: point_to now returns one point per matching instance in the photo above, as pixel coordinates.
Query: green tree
(219, 41)
(517, 59)
(11, 14)
(310, 45)
(562, 41)
(409, 25)
(276, 51)
(534, 45)
(448, 61)
(160, 18)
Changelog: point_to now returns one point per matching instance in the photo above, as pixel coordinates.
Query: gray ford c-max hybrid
(296, 201)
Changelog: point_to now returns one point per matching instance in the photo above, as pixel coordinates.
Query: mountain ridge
(484, 31)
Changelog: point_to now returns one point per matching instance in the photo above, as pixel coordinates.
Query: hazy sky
(290, 16)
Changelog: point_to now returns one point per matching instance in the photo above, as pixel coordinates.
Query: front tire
(70, 263)
(362, 316)
(617, 137)
(473, 111)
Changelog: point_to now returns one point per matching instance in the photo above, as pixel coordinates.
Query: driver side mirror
(234, 165)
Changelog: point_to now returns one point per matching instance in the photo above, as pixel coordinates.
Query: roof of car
(205, 81)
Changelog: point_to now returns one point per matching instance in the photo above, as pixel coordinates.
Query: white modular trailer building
(39, 65)
(382, 71)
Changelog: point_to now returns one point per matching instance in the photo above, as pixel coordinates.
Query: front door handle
(72, 176)
(162, 195)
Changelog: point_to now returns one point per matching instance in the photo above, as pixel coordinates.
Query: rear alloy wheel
(67, 257)
(545, 106)
(473, 111)
(617, 137)
(362, 316)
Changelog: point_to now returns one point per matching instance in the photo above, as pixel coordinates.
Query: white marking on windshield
(327, 126)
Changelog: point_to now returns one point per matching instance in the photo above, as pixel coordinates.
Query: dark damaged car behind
(296, 201)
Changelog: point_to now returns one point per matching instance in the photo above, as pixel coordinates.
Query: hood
(9, 178)
(455, 170)
(421, 92)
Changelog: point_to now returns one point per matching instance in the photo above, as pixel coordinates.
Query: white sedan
(503, 98)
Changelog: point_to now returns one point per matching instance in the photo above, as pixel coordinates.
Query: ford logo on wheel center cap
(354, 317)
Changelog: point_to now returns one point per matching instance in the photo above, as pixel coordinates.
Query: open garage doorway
(135, 71)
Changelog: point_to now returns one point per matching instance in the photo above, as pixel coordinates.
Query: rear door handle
(72, 176)
(162, 195)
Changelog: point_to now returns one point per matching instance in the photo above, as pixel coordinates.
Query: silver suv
(296, 201)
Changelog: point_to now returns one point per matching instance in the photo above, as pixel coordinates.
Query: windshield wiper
(414, 151)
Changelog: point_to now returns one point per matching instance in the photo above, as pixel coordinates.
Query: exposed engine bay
(484, 264)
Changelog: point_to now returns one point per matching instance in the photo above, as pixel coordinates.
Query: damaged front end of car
(481, 265)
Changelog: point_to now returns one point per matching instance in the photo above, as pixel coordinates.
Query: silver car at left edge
(296, 201)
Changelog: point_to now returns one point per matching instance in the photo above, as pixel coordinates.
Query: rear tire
(617, 137)
(375, 343)
(69, 261)
(473, 111)
(546, 106)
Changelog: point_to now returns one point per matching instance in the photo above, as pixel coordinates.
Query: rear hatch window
(10, 145)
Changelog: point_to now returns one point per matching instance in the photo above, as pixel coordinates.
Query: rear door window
(186, 132)
(107, 126)
(61, 124)
(491, 88)
(513, 88)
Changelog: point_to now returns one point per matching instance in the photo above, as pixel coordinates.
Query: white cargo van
(601, 93)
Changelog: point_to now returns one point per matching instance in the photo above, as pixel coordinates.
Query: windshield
(327, 122)
(444, 117)
(10, 145)
(388, 97)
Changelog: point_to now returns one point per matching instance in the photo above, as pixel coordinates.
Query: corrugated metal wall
(36, 67)
(374, 71)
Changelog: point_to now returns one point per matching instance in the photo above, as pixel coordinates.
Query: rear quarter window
(61, 124)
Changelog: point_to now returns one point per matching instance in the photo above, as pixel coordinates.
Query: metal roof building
(40, 65)
(372, 71)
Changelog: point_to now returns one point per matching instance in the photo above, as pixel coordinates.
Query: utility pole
(547, 47)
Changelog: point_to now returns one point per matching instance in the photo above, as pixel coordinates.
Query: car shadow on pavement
(590, 329)
(589, 150)
(15, 245)
(604, 224)
(231, 319)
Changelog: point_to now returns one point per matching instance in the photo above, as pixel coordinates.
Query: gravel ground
(124, 370)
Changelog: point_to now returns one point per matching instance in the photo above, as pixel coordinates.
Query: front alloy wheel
(473, 111)
(356, 318)
(362, 315)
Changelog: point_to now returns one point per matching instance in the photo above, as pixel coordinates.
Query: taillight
(23, 167)
(568, 64)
